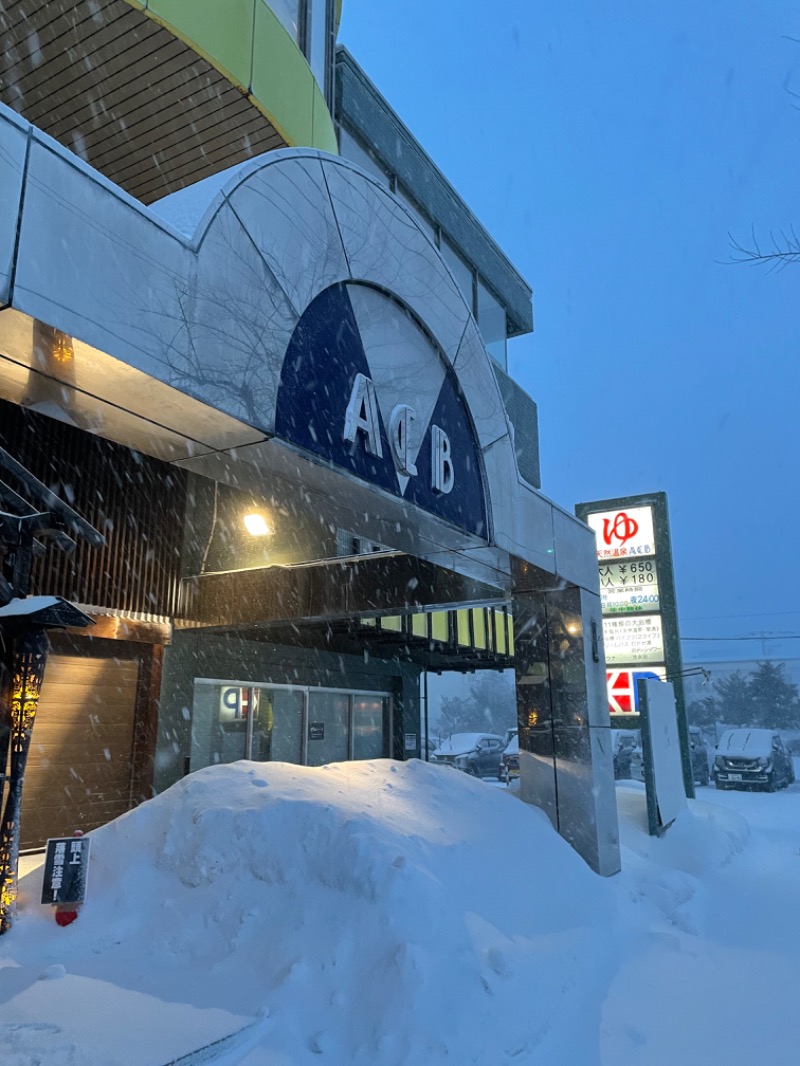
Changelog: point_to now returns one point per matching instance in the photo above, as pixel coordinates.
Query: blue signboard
(342, 402)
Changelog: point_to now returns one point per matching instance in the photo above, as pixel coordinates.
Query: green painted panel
(324, 132)
(221, 33)
(282, 83)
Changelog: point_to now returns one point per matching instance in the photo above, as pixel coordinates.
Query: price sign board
(637, 595)
(633, 640)
(629, 587)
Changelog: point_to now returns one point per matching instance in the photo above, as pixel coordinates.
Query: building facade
(274, 376)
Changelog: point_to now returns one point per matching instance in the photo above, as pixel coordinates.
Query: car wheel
(472, 769)
(720, 786)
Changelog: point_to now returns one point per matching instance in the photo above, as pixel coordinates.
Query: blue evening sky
(610, 149)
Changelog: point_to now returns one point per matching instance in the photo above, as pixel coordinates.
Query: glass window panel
(219, 724)
(462, 627)
(318, 40)
(368, 724)
(353, 150)
(425, 223)
(492, 324)
(419, 625)
(328, 727)
(278, 726)
(462, 272)
(288, 12)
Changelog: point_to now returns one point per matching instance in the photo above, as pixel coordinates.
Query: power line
(717, 617)
(756, 636)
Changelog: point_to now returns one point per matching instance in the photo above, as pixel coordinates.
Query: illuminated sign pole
(640, 614)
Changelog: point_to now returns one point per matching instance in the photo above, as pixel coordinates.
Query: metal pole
(425, 699)
(29, 658)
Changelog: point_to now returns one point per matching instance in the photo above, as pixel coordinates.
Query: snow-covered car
(698, 751)
(752, 758)
(475, 753)
(509, 761)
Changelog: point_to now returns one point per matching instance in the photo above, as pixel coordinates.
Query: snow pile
(402, 913)
(371, 912)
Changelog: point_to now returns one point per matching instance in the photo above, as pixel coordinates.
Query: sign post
(661, 756)
(640, 614)
(66, 869)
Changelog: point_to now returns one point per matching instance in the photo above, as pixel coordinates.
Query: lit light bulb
(256, 525)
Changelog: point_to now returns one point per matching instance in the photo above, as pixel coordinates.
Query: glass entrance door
(234, 720)
(278, 725)
(369, 716)
(328, 727)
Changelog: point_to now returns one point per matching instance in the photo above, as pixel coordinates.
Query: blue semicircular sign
(363, 388)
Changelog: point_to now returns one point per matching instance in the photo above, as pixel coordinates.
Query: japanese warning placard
(66, 867)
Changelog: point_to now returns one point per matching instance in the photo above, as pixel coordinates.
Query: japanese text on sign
(623, 534)
(632, 640)
(65, 870)
(629, 587)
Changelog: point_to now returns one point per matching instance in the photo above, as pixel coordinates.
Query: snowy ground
(400, 913)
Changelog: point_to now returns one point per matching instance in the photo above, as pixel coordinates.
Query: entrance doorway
(286, 723)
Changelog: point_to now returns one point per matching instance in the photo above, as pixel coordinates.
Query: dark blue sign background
(323, 358)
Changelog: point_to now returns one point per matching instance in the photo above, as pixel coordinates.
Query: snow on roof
(755, 742)
(185, 208)
(30, 605)
(461, 743)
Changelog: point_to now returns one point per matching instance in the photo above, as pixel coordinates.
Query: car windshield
(461, 743)
(746, 742)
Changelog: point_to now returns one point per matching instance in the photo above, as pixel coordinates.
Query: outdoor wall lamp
(256, 524)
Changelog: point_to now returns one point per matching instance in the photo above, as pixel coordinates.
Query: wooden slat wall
(80, 762)
(138, 503)
(122, 91)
